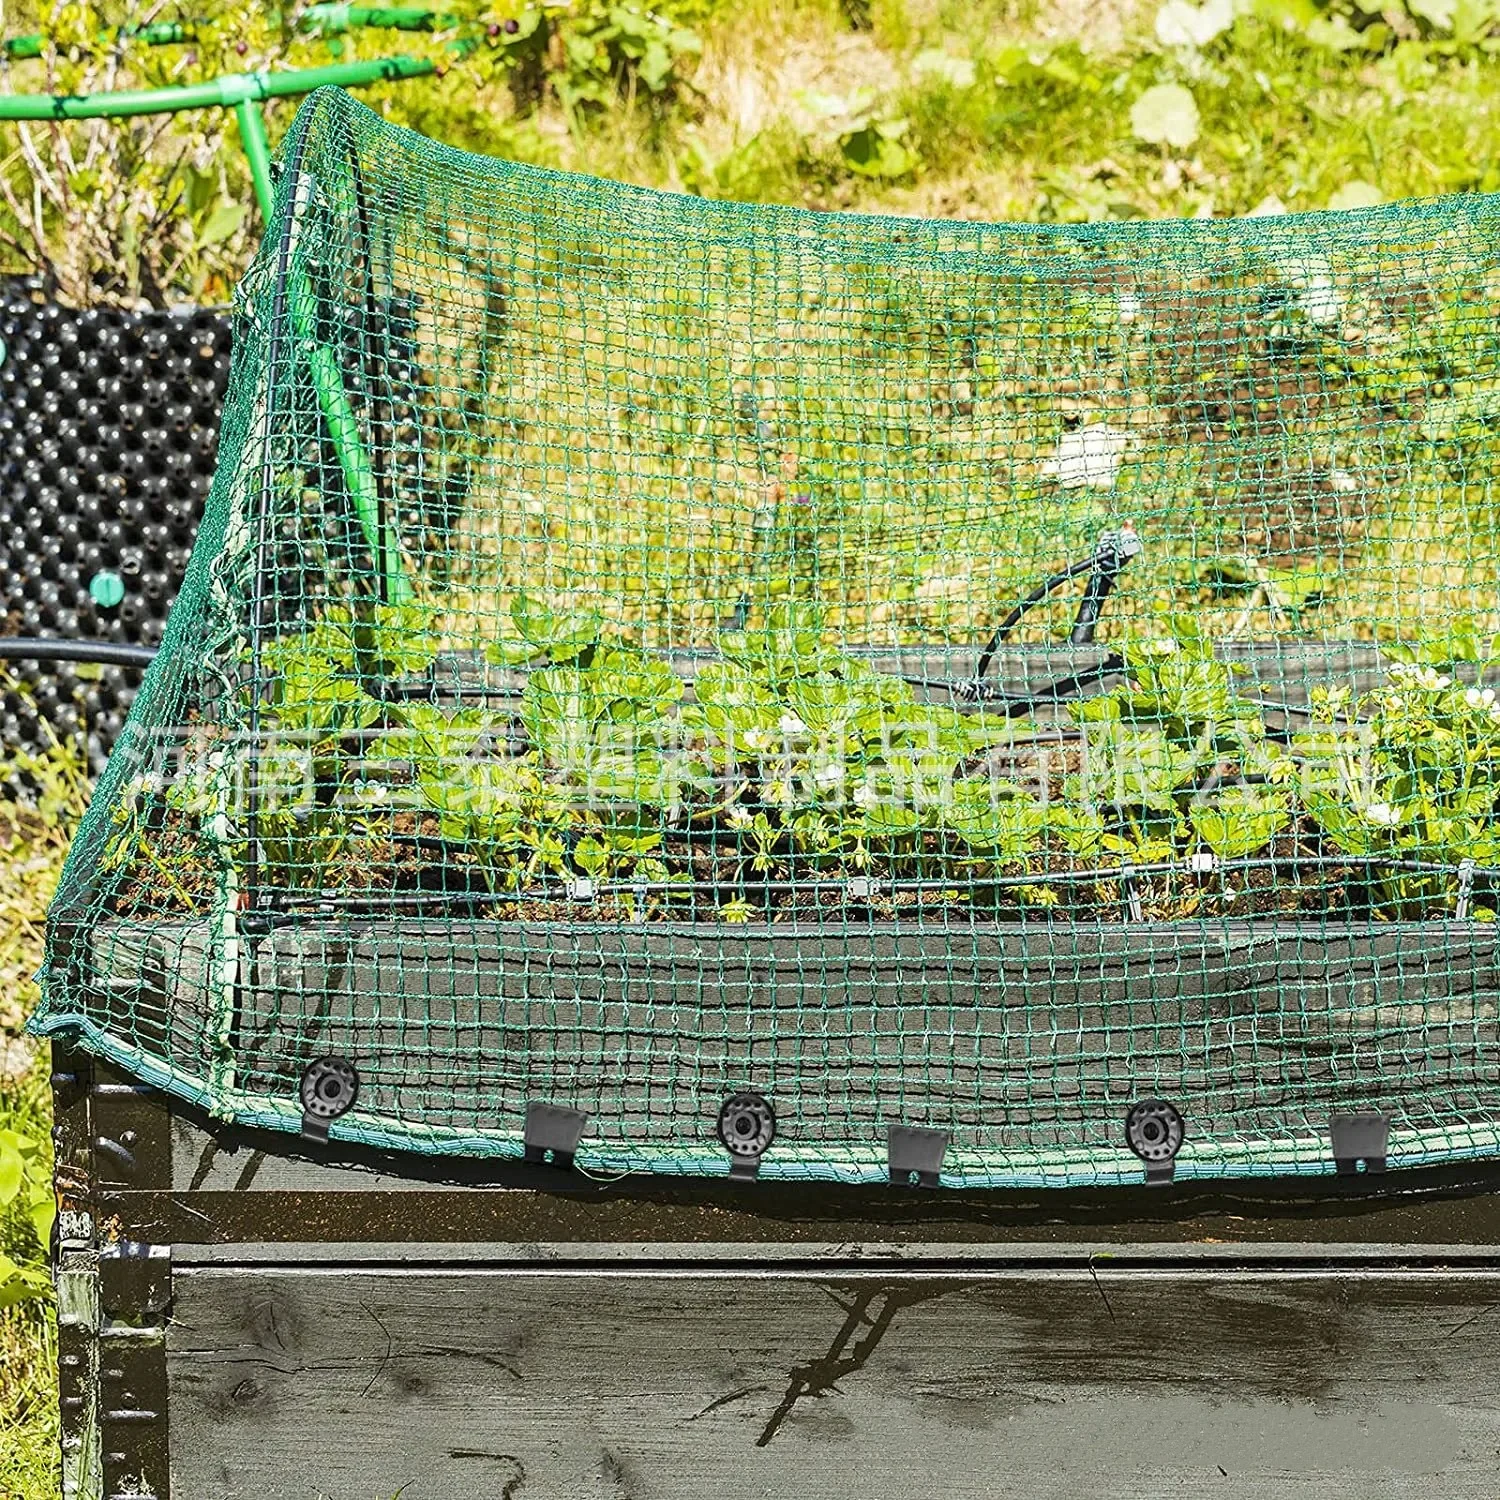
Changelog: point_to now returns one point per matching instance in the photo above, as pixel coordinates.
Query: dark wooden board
(502, 1384)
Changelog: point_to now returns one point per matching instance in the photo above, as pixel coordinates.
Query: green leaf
(560, 634)
(1132, 768)
(1334, 34)
(21, 1283)
(958, 72)
(12, 1171)
(1437, 13)
(1240, 820)
(1356, 194)
(220, 224)
(991, 817)
(1179, 23)
(42, 1213)
(1166, 115)
(876, 150)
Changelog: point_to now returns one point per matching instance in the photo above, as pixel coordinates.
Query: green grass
(28, 1333)
(33, 840)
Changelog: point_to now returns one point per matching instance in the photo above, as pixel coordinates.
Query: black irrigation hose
(100, 653)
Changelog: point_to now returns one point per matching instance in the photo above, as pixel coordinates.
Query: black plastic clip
(552, 1133)
(1359, 1138)
(747, 1126)
(916, 1154)
(1155, 1132)
(329, 1088)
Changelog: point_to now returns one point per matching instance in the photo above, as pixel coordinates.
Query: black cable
(102, 653)
(1035, 597)
(1104, 565)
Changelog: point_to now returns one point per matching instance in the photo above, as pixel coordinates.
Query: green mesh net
(642, 652)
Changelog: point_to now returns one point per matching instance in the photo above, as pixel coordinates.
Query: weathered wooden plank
(929, 1258)
(304, 1382)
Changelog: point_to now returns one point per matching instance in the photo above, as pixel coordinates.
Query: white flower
(1480, 697)
(756, 740)
(829, 775)
(791, 724)
(1131, 307)
(866, 796)
(1088, 457)
(1428, 678)
(1382, 814)
(1343, 481)
(740, 817)
(1160, 646)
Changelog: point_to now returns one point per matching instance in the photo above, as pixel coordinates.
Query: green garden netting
(602, 681)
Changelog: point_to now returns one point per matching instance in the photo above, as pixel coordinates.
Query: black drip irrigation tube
(98, 653)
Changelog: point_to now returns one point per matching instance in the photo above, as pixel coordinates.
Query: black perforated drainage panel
(109, 424)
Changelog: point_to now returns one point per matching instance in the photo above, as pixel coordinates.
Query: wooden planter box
(245, 1314)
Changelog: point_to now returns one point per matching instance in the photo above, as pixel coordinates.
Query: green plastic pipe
(257, 154)
(219, 93)
(328, 382)
(324, 20)
(330, 20)
(157, 34)
(343, 429)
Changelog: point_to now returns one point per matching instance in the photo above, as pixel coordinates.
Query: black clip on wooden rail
(1359, 1138)
(1155, 1132)
(330, 1087)
(915, 1155)
(553, 1132)
(747, 1126)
